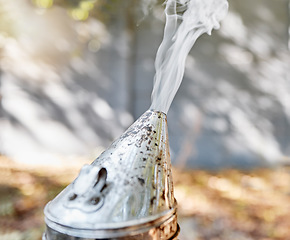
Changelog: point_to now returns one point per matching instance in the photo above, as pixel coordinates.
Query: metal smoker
(126, 193)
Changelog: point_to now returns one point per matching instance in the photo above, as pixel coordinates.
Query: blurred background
(75, 74)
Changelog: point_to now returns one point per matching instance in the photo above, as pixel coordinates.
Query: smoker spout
(126, 193)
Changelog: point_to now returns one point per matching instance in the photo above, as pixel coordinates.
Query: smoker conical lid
(129, 184)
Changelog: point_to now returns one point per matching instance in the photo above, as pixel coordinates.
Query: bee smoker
(126, 193)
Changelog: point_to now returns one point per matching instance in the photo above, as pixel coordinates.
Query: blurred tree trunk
(1, 115)
(1, 107)
(131, 28)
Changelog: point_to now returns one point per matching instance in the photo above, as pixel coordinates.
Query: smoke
(186, 20)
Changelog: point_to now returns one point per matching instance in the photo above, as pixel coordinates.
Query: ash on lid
(128, 186)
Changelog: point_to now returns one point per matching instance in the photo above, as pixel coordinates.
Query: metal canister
(126, 193)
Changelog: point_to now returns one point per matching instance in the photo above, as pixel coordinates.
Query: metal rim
(115, 229)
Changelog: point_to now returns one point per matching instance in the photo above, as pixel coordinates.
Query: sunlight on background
(43, 3)
(35, 61)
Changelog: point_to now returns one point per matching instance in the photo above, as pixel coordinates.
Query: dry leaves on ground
(229, 204)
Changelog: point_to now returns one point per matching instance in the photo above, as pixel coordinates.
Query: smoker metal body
(126, 193)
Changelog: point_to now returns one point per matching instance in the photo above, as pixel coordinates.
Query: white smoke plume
(186, 20)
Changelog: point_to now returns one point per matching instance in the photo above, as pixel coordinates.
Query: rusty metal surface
(126, 191)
